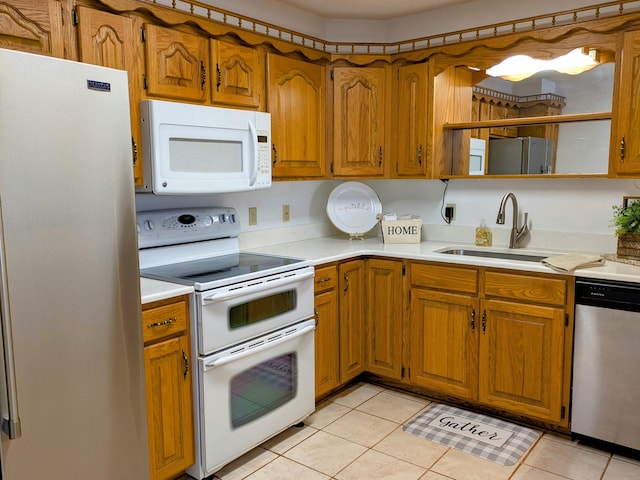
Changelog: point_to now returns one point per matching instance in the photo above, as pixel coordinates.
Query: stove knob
(222, 217)
(232, 218)
(148, 225)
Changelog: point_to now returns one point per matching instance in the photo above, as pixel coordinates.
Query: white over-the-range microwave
(193, 149)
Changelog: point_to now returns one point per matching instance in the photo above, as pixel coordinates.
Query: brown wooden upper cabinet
(177, 64)
(412, 114)
(33, 26)
(297, 103)
(108, 40)
(625, 144)
(360, 121)
(238, 76)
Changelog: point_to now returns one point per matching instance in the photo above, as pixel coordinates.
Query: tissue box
(401, 231)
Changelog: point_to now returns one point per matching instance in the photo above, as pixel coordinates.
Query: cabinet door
(385, 311)
(359, 116)
(502, 112)
(169, 407)
(351, 295)
(326, 342)
(624, 155)
(411, 134)
(296, 98)
(33, 26)
(176, 64)
(444, 343)
(239, 75)
(521, 358)
(108, 40)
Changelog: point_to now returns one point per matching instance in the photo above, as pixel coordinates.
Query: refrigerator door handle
(11, 425)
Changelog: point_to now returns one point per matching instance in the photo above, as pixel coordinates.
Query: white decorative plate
(353, 208)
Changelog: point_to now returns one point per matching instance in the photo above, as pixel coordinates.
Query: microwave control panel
(263, 176)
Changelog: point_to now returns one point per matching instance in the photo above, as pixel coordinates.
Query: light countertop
(154, 290)
(332, 249)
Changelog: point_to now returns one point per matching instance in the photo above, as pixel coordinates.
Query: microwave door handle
(227, 295)
(218, 362)
(254, 156)
(11, 425)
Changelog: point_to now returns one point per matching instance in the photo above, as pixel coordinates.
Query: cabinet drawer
(444, 278)
(163, 319)
(326, 278)
(551, 291)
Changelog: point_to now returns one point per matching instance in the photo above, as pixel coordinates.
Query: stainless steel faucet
(516, 233)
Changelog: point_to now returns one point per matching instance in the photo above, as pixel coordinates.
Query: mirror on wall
(580, 147)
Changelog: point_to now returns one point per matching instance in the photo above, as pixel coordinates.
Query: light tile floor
(357, 435)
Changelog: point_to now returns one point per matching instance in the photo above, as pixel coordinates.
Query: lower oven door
(251, 392)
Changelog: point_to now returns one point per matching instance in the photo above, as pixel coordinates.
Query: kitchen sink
(522, 257)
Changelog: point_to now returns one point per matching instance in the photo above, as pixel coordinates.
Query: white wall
(566, 214)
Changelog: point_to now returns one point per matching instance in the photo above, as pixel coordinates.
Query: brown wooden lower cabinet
(339, 342)
(385, 312)
(498, 338)
(168, 378)
(491, 337)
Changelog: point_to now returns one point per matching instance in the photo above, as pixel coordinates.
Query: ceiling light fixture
(519, 67)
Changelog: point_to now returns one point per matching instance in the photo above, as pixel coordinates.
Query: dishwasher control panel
(608, 294)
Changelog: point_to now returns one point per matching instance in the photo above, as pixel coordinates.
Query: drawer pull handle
(323, 280)
(168, 321)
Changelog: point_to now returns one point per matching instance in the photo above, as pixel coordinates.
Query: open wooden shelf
(516, 122)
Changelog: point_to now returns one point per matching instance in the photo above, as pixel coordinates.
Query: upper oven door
(229, 315)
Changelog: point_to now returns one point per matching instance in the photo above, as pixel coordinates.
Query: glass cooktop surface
(222, 270)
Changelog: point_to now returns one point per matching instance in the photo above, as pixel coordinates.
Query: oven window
(260, 309)
(263, 388)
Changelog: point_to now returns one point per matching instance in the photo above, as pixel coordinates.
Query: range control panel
(158, 228)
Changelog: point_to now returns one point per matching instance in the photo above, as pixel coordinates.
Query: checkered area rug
(486, 437)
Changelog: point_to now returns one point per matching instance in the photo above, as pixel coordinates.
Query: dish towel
(568, 263)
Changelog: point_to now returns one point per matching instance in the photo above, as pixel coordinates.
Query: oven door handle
(218, 362)
(229, 294)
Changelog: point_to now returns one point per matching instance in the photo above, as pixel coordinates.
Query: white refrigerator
(72, 389)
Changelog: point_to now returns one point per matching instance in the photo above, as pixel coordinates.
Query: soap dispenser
(483, 234)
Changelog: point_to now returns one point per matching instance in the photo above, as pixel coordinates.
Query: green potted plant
(626, 219)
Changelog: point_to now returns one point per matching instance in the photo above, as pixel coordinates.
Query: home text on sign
(402, 229)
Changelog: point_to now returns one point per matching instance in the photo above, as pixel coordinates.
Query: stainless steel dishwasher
(606, 362)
